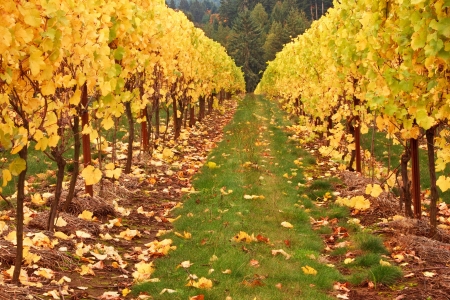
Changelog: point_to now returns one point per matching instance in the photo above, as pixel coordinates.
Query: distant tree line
(253, 31)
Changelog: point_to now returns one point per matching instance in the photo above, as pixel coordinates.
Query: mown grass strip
(256, 158)
(253, 159)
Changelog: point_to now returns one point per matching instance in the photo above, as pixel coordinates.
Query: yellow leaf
(91, 175)
(107, 123)
(348, 260)
(374, 190)
(185, 235)
(129, 234)
(125, 292)
(384, 263)
(212, 165)
(82, 234)
(37, 199)
(76, 97)
(36, 61)
(17, 166)
(429, 274)
(48, 88)
(167, 153)
(86, 215)
(202, 283)
(443, 183)
(243, 237)
(60, 222)
(86, 270)
(113, 173)
(287, 224)
(309, 270)
(61, 235)
(45, 272)
(143, 271)
(6, 176)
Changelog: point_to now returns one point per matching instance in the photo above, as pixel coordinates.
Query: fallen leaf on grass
(249, 197)
(342, 296)
(168, 291)
(254, 263)
(262, 238)
(287, 224)
(143, 271)
(409, 275)
(198, 297)
(348, 261)
(185, 264)
(202, 283)
(243, 237)
(227, 271)
(309, 270)
(185, 235)
(385, 263)
(282, 252)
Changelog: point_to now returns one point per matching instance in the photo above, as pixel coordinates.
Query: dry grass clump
(426, 248)
(73, 224)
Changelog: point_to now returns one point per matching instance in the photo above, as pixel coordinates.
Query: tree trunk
(130, 137)
(157, 117)
(406, 184)
(76, 162)
(61, 163)
(415, 180)
(201, 111)
(191, 115)
(432, 170)
(210, 104)
(86, 137)
(144, 132)
(23, 153)
(357, 139)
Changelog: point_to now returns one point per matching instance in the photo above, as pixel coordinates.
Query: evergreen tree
(172, 4)
(296, 23)
(228, 11)
(245, 46)
(197, 10)
(275, 40)
(184, 5)
(260, 16)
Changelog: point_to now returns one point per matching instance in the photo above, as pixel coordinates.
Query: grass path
(255, 159)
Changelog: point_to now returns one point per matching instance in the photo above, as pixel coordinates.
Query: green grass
(217, 218)
(255, 136)
(370, 243)
(381, 154)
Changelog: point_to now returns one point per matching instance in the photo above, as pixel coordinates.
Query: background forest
(252, 31)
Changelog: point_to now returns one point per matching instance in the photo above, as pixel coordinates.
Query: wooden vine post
(415, 180)
(86, 140)
(144, 132)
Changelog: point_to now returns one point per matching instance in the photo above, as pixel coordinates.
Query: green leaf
(390, 109)
(17, 166)
(442, 27)
(433, 47)
(419, 38)
(119, 52)
(446, 4)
